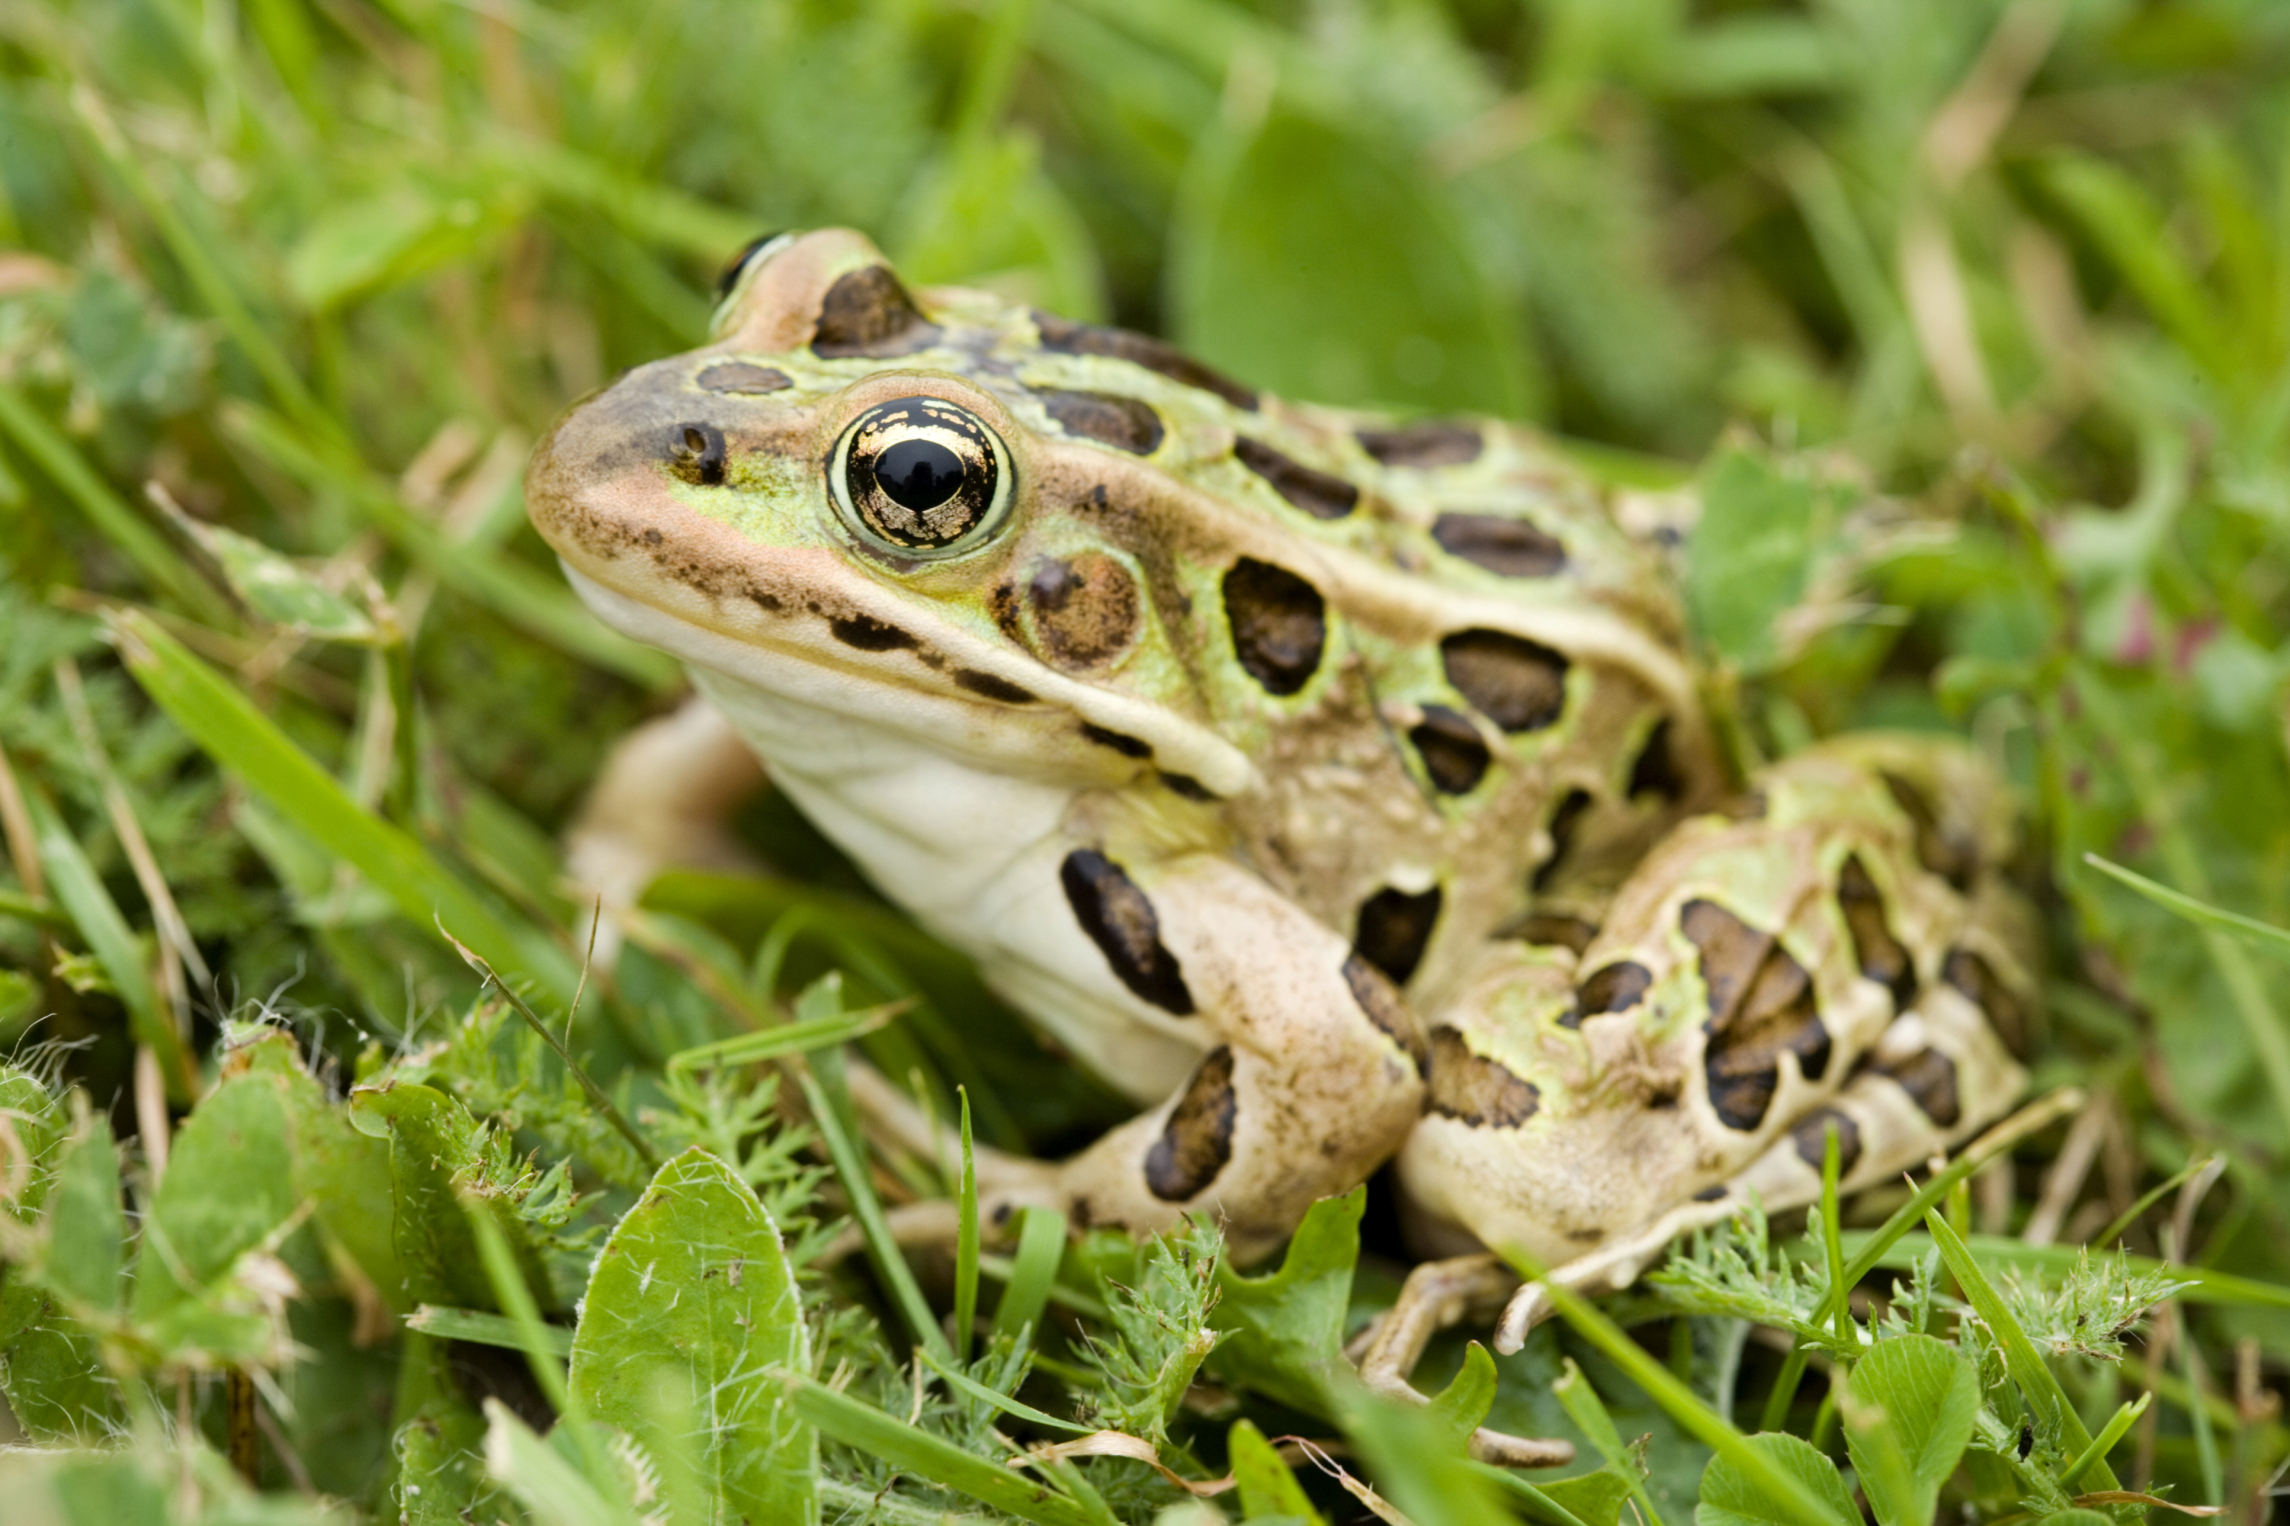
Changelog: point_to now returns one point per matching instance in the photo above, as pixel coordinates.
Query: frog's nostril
(919, 474)
(696, 454)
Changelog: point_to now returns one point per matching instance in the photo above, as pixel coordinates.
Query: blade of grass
(244, 741)
(80, 891)
(35, 909)
(2118, 1425)
(1549, 1508)
(1588, 1412)
(856, 1423)
(2034, 1380)
(786, 1039)
(1033, 1272)
(1839, 1301)
(139, 541)
(1001, 1401)
(485, 1329)
(823, 1090)
(2203, 1286)
(2261, 935)
(1681, 1403)
(524, 1316)
(2148, 1199)
(966, 1242)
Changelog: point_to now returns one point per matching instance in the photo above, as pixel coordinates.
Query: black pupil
(919, 474)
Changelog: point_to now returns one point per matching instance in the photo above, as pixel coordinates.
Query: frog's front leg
(1311, 1064)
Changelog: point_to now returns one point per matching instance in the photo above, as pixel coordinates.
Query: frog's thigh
(1314, 1069)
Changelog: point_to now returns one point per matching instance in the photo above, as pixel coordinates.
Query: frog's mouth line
(996, 716)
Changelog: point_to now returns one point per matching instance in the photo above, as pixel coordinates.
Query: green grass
(288, 287)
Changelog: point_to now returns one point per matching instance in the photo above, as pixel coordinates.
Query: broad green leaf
(438, 1156)
(691, 1302)
(85, 1489)
(1594, 1499)
(1751, 555)
(55, 1379)
(357, 247)
(1462, 1406)
(1315, 263)
(1418, 1465)
(1268, 1490)
(441, 1478)
(1909, 1411)
(1286, 1329)
(228, 1193)
(86, 1225)
(1731, 1498)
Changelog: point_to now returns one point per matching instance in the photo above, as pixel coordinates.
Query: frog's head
(931, 510)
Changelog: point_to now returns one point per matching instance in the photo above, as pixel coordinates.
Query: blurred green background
(318, 271)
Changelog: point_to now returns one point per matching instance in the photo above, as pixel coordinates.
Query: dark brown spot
(1880, 955)
(1316, 492)
(1929, 1078)
(1120, 921)
(731, 272)
(1125, 423)
(696, 454)
(1187, 786)
(1196, 1142)
(1977, 980)
(1395, 928)
(871, 635)
(1127, 746)
(1656, 770)
(1452, 753)
(1564, 820)
(1954, 856)
(868, 312)
(1385, 1007)
(1474, 1090)
(1518, 684)
(1279, 624)
(1711, 1194)
(1511, 548)
(1762, 1005)
(1085, 607)
(1613, 988)
(1550, 929)
(743, 378)
(990, 686)
(1139, 350)
(1811, 1137)
(1433, 442)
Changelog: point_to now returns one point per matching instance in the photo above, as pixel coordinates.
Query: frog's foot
(1439, 1294)
(1610, 1268)
(660, 802)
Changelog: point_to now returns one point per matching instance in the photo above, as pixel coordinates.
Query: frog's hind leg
(1936, 1075)
(1439, 1294)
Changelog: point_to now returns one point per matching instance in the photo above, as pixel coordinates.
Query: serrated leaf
(691, 1303)
(1730, 1498)
(436, 1155)
(1286, 1330)
(1909, 1409)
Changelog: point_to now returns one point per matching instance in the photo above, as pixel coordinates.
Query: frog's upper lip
(791, 616)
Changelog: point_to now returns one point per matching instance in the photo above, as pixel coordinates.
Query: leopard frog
(1328, 783)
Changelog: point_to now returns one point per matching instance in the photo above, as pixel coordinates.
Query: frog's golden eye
(921, 476)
